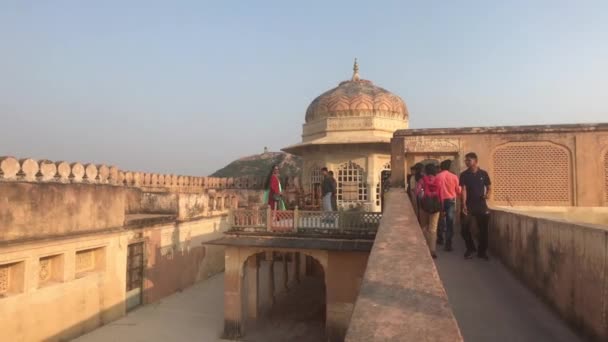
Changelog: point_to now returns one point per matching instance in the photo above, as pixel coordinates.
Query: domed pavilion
(348, 129)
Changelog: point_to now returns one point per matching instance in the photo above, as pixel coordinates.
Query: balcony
(341, 224)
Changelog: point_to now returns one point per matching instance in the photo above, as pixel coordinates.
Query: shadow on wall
(181, 263)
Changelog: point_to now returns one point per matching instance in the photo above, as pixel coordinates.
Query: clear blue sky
(186, 86)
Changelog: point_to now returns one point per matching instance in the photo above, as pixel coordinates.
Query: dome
(357, 98)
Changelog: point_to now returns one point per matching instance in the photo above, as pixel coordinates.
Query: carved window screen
(535, 173)
(386, 167)
(4, 279)
(90, 260)
(351, 183)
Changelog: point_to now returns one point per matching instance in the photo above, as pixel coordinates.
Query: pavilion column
(302, 262)
(292, 267)
(285, 272)
(296, 263)
(253, 285)
(269, 257)
(233, 308)
(398, 162)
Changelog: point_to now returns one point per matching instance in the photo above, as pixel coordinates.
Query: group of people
(434, 193)
(274, 190)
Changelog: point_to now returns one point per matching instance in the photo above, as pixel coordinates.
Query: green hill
(259, 165)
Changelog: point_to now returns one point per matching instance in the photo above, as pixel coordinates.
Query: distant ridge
(259, 165)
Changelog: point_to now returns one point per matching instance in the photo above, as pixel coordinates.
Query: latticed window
(315, 176)
(386, 167)
(351, 183)
(45, 271)
(532, 173)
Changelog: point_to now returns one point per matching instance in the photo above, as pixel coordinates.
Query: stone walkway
(196, 314)
(490, 304)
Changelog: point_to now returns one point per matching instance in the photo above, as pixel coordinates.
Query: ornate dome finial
(355, 71)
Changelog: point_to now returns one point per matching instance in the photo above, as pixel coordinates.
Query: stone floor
(490, 304)
(195, 314)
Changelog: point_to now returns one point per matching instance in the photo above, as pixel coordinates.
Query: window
(90, 260)
(351, 183)
(386, 167)
(50, 270)
(549, 184)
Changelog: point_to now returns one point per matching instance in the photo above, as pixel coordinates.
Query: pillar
(302, 262)
(296, 271)
(233, 308)
(285, 272)
(269, 257)
(253, 284)
(293, 267)
(398, 162)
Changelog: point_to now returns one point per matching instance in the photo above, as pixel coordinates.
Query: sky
(185, 87)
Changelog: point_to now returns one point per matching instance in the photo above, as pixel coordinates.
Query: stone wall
(65, 232)
(68, 297)
(38, 210)
(177, 256)
(401, 296)
(51, 293)
(566, 163)
(31, 170)
(565, 263)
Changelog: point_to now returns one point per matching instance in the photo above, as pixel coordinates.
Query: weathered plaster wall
(74, 303)
(565, 263)
(34, 210)
(178, 256)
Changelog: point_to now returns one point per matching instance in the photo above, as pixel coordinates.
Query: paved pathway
(195, 314)
(490, 304)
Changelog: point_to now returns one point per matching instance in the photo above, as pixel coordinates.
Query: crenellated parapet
(30, 170)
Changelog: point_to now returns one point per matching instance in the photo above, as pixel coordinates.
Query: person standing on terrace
(327, 189)
(274, 192)
(475, 184)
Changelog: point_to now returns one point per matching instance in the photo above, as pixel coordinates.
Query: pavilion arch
(264, 284)
(532, 173)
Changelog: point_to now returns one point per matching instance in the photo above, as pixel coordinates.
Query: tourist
(409, 182)
(475, 184)
(416, 177)
(274, 192)
(449, 188)
(427, 191)
(334, 191)
(326, 190)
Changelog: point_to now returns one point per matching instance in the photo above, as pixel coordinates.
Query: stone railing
(401, 296)
(563, 262)
(30, 170)
(304, 222)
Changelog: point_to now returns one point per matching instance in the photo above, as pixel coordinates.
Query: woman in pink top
(428, 191)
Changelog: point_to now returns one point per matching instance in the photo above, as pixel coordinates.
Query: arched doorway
(290, 300)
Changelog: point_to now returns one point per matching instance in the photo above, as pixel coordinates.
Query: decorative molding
(434, 145)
